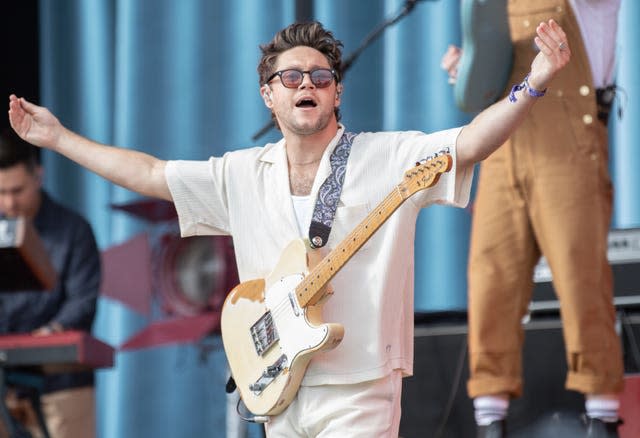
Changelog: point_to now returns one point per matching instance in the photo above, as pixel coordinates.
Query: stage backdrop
(178, 79)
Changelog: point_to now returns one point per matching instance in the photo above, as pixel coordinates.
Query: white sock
(602, 408)
(490, 408)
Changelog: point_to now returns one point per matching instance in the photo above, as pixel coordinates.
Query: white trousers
(368, 409)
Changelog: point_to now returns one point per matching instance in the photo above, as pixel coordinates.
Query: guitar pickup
(264, 334)
(269, 375)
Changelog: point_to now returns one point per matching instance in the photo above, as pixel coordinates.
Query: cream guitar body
(269, 339)
(272, 327)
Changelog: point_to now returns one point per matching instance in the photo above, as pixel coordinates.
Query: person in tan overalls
(547, 191)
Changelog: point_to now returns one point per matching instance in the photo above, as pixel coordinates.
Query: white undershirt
(302, 207)
(598, 20)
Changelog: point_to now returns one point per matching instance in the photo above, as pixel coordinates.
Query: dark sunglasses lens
(291, 78)
(321, 78)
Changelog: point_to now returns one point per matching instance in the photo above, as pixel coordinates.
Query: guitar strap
(325, 209)
(329, 193)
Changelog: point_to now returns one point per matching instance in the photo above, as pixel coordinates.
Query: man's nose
(306, 81)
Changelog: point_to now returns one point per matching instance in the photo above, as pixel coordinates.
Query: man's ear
(267, 96)
(339, 90)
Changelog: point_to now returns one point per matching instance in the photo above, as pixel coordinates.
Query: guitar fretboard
(335, 260)
(422, 176)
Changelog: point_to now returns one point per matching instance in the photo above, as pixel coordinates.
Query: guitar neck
(329, 266)
(424, 175)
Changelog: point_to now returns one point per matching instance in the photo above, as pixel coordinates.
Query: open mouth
(306, 103)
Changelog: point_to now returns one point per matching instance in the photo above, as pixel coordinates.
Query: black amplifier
(624, 256)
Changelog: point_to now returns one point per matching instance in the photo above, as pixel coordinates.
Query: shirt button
(587, 119)
(558, 8)
(559, 93)
(526, 23)
(594, 156)
(584, 90)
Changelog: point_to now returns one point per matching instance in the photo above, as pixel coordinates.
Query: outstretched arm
(493, 126)
(133, 170)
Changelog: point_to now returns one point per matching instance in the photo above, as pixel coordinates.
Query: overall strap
(329, 193)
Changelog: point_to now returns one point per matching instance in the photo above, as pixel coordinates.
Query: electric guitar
(272, 327)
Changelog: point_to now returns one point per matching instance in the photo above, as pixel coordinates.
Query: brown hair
(311, 34)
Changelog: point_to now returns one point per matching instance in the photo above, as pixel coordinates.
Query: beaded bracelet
(525, 86)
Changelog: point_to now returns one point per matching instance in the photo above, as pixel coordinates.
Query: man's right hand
(33, 123)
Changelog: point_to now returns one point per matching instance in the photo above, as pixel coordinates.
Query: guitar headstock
(426, 173)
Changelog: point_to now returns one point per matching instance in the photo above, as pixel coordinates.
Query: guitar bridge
(269, 375)
(264, 334)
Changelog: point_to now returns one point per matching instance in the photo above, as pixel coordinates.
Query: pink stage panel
(126, 275)
(172, 331)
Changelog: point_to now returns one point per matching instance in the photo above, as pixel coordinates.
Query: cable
(254, 418)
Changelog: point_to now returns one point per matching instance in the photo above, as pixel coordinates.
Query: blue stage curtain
(625, 129)
(178, 79)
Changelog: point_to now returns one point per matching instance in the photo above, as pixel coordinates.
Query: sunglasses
(292, 78)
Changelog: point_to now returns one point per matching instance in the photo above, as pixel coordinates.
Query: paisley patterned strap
(329, 193)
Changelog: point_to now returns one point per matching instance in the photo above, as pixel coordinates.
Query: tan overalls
(546, 190)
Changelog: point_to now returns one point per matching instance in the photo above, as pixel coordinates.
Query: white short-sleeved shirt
(246, 194)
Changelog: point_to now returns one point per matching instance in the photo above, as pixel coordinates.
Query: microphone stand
(346, 64)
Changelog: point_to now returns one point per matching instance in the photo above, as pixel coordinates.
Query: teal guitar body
(487, 53)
